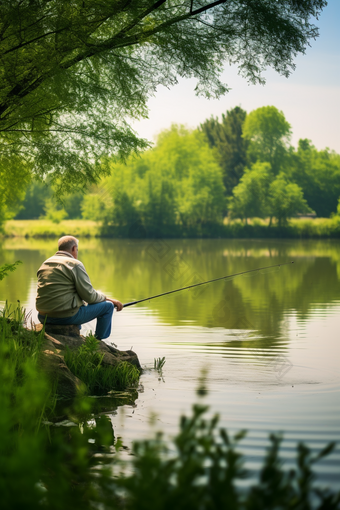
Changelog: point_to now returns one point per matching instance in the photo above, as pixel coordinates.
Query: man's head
(69, 244)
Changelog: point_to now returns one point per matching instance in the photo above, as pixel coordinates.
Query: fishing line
(205, 283)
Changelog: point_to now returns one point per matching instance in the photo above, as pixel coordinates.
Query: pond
(270, 341)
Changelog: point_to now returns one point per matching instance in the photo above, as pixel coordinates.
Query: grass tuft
(86, 363)
(159, 363)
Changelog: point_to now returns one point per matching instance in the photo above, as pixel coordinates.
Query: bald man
(64, 288)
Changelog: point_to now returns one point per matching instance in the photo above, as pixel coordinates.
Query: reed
(158, 364)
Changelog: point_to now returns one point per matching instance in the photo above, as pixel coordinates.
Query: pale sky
(309, 98)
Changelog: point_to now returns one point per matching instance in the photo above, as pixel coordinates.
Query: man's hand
(116, 303)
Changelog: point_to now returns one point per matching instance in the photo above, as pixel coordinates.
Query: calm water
(270, 341)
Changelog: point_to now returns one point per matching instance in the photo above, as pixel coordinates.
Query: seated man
(63, 288)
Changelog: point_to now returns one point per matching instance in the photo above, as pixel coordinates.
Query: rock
(68, 385)
(56, 339)
(56, 329)
(69, 336)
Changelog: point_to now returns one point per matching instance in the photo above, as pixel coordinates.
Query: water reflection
(137, 269)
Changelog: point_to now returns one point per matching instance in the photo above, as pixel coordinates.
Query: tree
(54, 211)
(231, 147)
(73, 73)
(35, 201)
(268, 132)
(14, 179)
(33, 205)
(93, 207)
(286, 200)
(318, 174)
(178, 181)
(261, 194)
(250, 196)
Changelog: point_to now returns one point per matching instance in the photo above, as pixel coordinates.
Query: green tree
(93, 207)
(38, 193)
(250, 195)
(72, 205)
(261, 194)
(178, 181)
(268, 132)
(54, 211)
(231, 146)
(14, 178)
(33, 205)
(73, 73)
(318, 174)
(286, 200)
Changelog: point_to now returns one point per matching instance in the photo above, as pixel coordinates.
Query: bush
(203, 469)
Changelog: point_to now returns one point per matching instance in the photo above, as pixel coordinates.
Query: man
(63, 288)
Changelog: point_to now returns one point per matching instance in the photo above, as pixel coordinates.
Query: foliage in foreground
(8, 268)
(203, 469)
(86, 363)
(67, 467)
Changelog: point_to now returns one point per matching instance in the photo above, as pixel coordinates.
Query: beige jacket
(63, 286)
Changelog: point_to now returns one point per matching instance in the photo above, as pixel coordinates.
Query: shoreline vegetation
(76, 463)
(297, 228)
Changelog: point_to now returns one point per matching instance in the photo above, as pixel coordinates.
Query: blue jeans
(101, 311)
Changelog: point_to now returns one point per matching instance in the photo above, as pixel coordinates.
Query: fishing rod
(205, 283)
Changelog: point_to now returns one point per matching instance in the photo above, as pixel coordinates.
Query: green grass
(46, 228)
(86, 363)
(296, 228)
(256, 228)
(22, 385)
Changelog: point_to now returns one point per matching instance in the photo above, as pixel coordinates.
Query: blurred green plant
(8, 268)
(86, 363)
(203, 469)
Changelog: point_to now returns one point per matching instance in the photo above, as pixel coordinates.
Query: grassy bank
(46, 228)
(319, 228)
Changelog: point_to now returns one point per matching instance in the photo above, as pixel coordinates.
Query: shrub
(203, 469)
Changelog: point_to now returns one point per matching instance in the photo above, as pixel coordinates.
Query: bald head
(66, 243)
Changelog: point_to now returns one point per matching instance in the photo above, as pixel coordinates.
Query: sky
(309, 98)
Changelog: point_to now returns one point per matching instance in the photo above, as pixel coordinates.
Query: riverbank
(318, 228)
(48, 229)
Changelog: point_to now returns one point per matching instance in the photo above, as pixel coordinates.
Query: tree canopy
(261, 194)
(318, 174)
(231, 146)
(268, 132)
(176, 182)
(73, 74)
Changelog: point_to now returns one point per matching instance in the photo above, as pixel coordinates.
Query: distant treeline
(241, 166)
